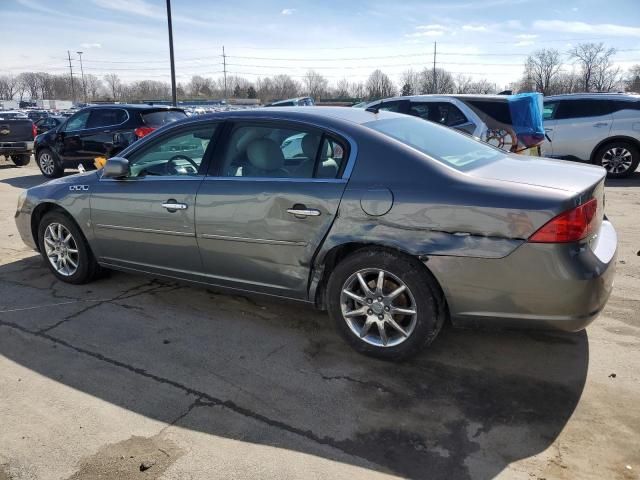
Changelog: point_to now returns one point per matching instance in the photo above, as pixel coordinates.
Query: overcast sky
(483, 39)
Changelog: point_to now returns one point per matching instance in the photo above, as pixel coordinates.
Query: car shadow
(632, 180)
(277, 374)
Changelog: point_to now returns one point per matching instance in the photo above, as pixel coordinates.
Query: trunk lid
(16, 130)
(542, 172)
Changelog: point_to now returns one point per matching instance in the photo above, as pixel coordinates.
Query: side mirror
(116, 167)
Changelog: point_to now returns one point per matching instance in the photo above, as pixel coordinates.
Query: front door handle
(300, 211)
(600, 124)
(172, 206)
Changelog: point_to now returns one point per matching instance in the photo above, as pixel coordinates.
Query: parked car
(391, 223)
(509, 122)
(100, 130)
(293, 102)
(603, 129)
(36, 115)
(17, 132)
(47, 123)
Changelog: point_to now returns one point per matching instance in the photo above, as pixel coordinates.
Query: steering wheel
(172, 160)
(504, 138)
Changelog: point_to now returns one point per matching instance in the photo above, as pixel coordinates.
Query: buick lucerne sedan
(392, 224)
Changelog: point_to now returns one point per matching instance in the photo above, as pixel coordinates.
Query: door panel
(249, 240)
(132, 228)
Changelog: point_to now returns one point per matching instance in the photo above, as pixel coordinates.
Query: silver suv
(599, 128)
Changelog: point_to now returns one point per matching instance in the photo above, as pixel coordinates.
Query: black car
(48, 123)
(35, 115)
(100, 130)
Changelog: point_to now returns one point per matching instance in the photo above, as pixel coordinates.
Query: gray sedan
(392, 224)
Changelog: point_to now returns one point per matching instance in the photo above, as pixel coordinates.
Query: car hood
(542, 172)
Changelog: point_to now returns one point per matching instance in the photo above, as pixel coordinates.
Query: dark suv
(100, 130)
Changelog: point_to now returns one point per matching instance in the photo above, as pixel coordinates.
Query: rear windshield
(441, 143)
(160, 118)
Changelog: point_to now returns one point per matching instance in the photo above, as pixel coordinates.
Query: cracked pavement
(100, 379)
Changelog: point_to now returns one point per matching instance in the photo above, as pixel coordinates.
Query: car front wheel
(619, 159)
(49, 165)
(20, 160)
(384, 303)
(65, 250)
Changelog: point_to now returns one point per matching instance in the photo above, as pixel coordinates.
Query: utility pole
(224, 69)
(174, 98)
(435, 81)
(84, 85)
(73, 91)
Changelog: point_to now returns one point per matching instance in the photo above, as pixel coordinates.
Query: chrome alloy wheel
(61, 249)
(46, 163)
(378, 307)
(617, 160)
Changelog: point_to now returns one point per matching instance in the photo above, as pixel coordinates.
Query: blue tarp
(526, 113)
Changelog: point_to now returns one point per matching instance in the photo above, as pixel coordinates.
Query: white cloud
(433, 26)
(526, 36)
(288, 11)
(523, 43)
(91, 45)
(474, 28)
(145, 9)
(608, 29)
(432, 30)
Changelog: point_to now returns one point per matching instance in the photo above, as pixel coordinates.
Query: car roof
(434, 96)
(595, 96)
(352, 115)
(132, 106)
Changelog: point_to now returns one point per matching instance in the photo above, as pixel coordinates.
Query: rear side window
(438, 112)
(107, 117)
(495, 110)
(625, 105)
(549, 110)
(161, 118)
(582, 108)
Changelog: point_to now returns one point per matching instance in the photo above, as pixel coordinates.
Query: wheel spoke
(355, 297)
(67, 238)
(52, 232)
(366, 327)
(72, 250)
(72, 262)
(363, 284)
(395, 325)
(48, 241)
(402, 311)
(380, 282)
(396, 292)
(383, 333)
(356, 313)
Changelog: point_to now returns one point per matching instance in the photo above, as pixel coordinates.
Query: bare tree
(200, 86)
(410, 82)
(358, 90)
(444, 82)
(315, 84)
(93, 85)
(592, 59)
(30, 81)
(379, 85)
(114, 84)
(8, 86)
(632, 81)
(342, 88)
(542, 67)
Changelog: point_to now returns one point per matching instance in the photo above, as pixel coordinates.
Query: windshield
(9, 115)
(441, 143)
(162, 117)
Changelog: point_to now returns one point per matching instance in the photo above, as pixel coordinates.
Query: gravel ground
(129, 378)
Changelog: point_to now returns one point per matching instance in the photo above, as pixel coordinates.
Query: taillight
(142, 131)
(570, 226)
(34, 130)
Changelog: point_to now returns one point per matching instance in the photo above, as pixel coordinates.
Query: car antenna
(373, 109)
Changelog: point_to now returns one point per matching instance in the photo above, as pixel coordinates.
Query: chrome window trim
(152, 178)
(277, 179)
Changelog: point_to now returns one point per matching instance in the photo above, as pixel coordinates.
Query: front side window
(107, 117)
(549, 110)
(77, 122)
(281, 151)
(443, 144)
(175, 154)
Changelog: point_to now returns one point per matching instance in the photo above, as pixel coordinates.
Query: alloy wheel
(46, 163)
(61, 249)
(378, 307)
(617, 160)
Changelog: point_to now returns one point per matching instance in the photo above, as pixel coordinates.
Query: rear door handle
(172, 206)
(302, 211)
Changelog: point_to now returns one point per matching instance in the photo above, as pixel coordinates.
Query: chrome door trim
(175, 206)
(144, 230)
(253, 240)
(304, 212)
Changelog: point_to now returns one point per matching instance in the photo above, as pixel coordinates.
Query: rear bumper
(8, 148)
(557, 286)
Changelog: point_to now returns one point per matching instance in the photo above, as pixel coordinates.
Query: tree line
(584, 68)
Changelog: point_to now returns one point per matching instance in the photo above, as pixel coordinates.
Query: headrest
(265, 154)
(310, 145)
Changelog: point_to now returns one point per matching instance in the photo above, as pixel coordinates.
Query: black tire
(620, 146)
(87, 267)
(49, 170)
(21, 160)
(423, 290)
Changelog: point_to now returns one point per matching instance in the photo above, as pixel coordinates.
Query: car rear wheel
(65, 250)
(619, 159)
(49, 165)
(20, 160)
(384, 304)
